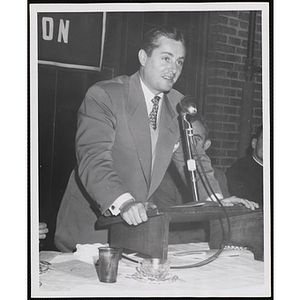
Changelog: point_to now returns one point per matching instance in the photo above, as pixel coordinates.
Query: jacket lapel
(140, 131)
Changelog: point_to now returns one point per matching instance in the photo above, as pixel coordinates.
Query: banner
(72, 40)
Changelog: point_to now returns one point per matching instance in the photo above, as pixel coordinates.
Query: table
(233, 273)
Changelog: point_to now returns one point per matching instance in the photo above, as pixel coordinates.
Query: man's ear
(206, 144)
(142, 55)
(253, 143)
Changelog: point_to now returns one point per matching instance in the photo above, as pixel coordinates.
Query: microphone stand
(191, 164)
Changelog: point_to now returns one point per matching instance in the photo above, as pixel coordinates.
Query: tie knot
(155, 100)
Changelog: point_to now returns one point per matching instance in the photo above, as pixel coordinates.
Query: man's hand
(234, 200)
(134, 213)
(42, 230)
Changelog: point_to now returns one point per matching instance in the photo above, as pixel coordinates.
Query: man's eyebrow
(171, 54)
(196, 134)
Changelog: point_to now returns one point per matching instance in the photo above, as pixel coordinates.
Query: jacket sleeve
(94, 141)
(206, 182)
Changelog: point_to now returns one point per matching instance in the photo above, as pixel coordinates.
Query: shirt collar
(148, 94)
(257, 161)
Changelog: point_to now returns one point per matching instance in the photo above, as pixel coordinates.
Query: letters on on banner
(73, 40)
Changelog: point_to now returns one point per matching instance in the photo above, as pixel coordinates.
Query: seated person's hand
(42, 230)
(134, 213)
(234, 200)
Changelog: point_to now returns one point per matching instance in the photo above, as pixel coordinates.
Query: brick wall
(227, 51)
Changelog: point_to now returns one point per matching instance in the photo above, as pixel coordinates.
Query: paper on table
(185, 254)
(190, 253)
(88, 252)
(48, 255)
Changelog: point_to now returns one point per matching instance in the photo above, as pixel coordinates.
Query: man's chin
(167, 87)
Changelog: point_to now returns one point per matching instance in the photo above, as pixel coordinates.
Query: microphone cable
(208, 187)
(212, 193)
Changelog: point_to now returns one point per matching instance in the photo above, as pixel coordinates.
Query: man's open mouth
(169, 78)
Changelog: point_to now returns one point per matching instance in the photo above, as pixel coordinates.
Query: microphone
(187, 105)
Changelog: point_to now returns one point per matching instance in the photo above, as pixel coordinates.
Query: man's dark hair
(257, 134)
(149, 42)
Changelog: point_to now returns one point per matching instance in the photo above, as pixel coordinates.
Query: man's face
(199, 136)
(257, 145)
(161, 70)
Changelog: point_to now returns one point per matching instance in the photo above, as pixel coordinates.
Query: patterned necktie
(153, 114)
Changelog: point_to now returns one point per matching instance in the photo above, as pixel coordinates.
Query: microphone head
(188, 105)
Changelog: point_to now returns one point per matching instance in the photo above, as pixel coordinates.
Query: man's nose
(173, 67)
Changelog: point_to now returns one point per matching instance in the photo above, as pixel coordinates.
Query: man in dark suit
(245, 176)
(128, 133)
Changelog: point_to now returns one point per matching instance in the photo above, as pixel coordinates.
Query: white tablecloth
(233, 273)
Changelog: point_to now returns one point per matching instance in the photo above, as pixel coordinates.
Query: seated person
(245, 176)
(172, 191)
(201, 138)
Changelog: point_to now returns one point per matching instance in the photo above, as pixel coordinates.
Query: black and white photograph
(150, 137)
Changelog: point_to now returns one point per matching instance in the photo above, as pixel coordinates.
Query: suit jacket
(222, 180)
(172, 191)
(245, 179)
(113, 148)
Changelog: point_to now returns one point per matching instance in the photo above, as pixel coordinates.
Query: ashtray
(154, 268)
(168, 279)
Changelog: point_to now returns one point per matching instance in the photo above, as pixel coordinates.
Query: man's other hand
(42, 230)
(235, 200)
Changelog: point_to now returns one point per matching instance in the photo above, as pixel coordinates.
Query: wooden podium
(151, 238)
